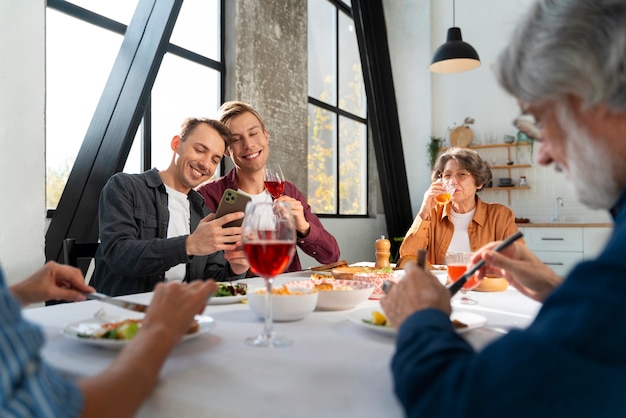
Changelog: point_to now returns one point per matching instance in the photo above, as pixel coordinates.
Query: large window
(83, 38)
(337, 122)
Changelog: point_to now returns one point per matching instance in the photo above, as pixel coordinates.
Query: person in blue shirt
(566, 65)
(31, 388)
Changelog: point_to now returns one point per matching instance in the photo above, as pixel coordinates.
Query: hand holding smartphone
(232, 201)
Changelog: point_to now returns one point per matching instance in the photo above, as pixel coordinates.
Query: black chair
(77, 254)
(73, 250)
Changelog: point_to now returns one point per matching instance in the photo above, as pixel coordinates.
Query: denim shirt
(569, 362)
(29, 387)
(134, 251)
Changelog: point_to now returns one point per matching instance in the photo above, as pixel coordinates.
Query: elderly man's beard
(590, 164)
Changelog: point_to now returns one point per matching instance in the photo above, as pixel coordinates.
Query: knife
(456, 286)
(137, 307)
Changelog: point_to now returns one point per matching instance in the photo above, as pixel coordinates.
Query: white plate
(225, 300)
(471, 319)
(71, 331)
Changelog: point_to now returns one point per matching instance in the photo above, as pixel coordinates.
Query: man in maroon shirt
(249, 152)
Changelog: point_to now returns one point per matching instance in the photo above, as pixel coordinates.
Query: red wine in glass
(274, 180)
(275, 188)
(269, 242)
(269, 258)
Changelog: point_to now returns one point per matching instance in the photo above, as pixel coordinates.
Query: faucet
(556, 217)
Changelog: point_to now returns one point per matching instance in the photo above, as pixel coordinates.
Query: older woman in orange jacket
(465, 223)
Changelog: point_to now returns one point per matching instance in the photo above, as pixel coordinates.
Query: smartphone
(232, 201)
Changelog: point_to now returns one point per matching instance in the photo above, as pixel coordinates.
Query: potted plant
(433, 148)
(522, 138)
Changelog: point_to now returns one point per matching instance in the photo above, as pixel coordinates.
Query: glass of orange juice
(445, 197)
(457, 263)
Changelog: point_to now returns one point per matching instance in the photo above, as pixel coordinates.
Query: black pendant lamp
(455, 55)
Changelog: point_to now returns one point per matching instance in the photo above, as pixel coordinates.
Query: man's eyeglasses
(528, 125)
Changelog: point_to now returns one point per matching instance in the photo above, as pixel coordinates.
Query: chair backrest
(77, 254)
(73, 250)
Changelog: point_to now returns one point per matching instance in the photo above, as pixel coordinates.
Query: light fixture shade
(455, 55)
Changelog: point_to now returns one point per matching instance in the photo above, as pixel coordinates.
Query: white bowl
(293, 307)
(346, 294)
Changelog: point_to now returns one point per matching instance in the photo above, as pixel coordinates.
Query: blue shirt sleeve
(29, 387)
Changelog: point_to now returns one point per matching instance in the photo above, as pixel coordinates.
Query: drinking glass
(457, 263)
(445, 197)
(269, 242)
(274, 180)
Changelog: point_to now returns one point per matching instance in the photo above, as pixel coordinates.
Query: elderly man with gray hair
(566, 65)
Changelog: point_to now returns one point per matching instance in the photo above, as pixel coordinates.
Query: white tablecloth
(335, 368)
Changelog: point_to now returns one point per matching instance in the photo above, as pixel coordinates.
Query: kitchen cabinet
(561, 248)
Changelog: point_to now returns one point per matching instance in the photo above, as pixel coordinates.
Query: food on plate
(458, 324)
(433, 267)
(124, 330)
(402, 262)
(347, 272)
(330, 266)
(379, 319)
(324, 286)
(230, 289)
(492, 284)
(284, 290)
(321, 276)
(330, 287)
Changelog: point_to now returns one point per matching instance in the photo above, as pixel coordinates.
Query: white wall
(22, 100)
(355, 237)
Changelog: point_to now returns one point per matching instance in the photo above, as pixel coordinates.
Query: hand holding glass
(457, 263)
(445, 197)
(269, 242)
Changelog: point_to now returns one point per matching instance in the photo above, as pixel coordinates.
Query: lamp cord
(453, 13)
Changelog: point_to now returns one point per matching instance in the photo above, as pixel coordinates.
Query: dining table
(336, 366)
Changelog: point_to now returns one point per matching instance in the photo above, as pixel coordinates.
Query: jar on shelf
(522, 181)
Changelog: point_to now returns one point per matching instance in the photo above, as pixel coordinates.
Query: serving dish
(345, 294)
(291, 307)
(377, 279)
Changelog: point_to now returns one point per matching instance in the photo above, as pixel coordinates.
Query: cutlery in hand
(137, 307)
(456, 286)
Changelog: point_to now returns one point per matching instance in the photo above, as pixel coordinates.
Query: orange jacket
(491, 222)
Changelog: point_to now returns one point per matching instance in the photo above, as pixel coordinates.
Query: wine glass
(268, 234)
(457, 263)
(274, 180)
(445, 197)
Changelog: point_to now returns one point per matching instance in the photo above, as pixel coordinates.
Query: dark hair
(469, 160)
(192, 123)
(234, 108)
